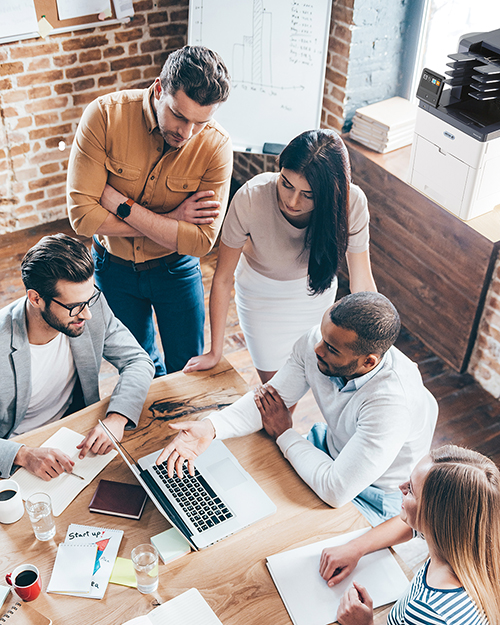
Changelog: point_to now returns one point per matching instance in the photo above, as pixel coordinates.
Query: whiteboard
(275, 51)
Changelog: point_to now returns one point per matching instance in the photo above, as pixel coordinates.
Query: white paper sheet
(190, 608)
(69, 9)
(73, 568)
(64, 488)
(307, 597)
(123, 8)
(107, 543)
(18, 18)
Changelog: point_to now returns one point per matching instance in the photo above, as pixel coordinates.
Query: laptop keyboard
(202, 505)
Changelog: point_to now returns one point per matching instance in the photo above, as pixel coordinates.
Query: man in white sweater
(379, 416)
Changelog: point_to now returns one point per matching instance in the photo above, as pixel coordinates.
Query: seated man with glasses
(52, 342)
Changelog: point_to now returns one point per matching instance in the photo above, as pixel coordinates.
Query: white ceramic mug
(11, 502)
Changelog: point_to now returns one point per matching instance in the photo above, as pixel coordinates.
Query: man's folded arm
(8, 453)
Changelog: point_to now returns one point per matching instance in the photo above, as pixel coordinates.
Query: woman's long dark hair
(321, 157)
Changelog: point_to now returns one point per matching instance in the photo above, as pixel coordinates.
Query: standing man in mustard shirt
(149, 175)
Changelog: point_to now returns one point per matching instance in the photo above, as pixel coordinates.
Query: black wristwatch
(123, 210)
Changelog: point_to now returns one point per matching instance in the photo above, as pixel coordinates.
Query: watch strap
(123, 210)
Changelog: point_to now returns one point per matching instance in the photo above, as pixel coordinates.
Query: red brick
(336, 78)
(81, 43)
(27, 51)
(342, 14)
(19, 149)
(159, 59)
(44, 78)
(90, 55)
(82, 85)
(71, 113)
(87, 70)
(10, 111)
(57, 191)
(5, 83)
(133, 49)
(151, 72)
(174, 43)
(51, 131)
(13, 96)
(36, 93)
(128, 35)
(119, 64)
(64, 87)
(168, 30)
(33, 197)
(28, 222)
(53, 142)
(46, 118)
(47, 181)
(3, 55)
(47, 105)
(11, 68)
(143, 5)
(64, 60)
(156, 17)
(340, 47)
(151, 46)
(23, 122)
(54, 202)
(179, 16)
(333, 107)
(114, 51)
(26, 174)
(139, 20)
(50, 168)
(106, 81)
(341, 32)
(130, 75)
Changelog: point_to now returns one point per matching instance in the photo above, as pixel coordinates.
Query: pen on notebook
(76, 475)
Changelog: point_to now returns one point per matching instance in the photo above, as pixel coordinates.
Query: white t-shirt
(272, 246)
(53, 377)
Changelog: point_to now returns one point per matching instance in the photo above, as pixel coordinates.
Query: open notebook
(307, 597)
(189, 609)
(64, 488)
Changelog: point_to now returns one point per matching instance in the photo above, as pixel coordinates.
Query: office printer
(455, 158)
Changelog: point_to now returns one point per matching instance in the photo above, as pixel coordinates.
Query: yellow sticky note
(44, 27)
(123, 573)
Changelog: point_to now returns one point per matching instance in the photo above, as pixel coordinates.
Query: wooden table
(231, 575)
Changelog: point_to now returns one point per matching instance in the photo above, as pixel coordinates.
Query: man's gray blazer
(104, 336)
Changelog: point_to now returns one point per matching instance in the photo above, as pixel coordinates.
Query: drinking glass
(39, 509)
(145, 559)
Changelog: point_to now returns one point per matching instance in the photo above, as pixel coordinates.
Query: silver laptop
(220, 500)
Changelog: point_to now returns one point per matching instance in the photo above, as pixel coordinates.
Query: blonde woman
(453, 500)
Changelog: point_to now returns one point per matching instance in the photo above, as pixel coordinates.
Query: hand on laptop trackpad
(227, 474)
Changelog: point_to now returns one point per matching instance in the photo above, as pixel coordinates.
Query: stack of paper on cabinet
(307, 597)
(190, 608)
(386, 125)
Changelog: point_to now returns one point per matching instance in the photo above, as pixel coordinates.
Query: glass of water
(39, 509)
(145, 559)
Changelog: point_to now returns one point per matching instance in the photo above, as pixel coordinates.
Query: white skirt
(273, 314)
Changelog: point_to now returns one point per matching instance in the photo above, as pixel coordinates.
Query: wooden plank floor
(468, 415)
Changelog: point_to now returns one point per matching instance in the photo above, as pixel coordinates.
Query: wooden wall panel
(433, 266)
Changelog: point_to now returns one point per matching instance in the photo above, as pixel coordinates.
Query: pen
(76, 475)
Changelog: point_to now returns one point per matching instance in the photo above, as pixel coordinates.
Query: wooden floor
(468, 415)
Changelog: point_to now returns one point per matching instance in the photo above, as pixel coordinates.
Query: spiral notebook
(21, 613)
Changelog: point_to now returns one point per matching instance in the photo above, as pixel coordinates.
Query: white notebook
(307, 597)
(73, 569)
(65, 487)
(189, 609)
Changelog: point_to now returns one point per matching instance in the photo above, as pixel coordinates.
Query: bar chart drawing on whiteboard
(275, 51)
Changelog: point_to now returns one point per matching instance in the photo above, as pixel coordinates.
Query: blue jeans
(174, 291)
(375, 505)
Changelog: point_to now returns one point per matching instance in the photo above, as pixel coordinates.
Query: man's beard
(339, 372)
(67, 329)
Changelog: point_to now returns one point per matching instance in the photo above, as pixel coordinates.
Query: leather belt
(149, 264)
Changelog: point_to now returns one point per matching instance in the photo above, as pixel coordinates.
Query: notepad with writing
(119, 499)
(21, 613)
(65, 487)
(190, 608)
(308, 599)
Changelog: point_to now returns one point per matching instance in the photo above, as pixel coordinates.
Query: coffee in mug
(11, 502)
(26, 581)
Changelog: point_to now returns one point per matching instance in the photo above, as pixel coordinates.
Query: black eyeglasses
(76, 309)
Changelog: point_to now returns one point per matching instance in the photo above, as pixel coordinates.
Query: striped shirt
(422, 605)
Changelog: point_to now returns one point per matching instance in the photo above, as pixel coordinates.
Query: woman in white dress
(453, 500)
(283, 239)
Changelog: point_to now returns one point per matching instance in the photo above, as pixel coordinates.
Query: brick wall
(484, 364)
(44, 88)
